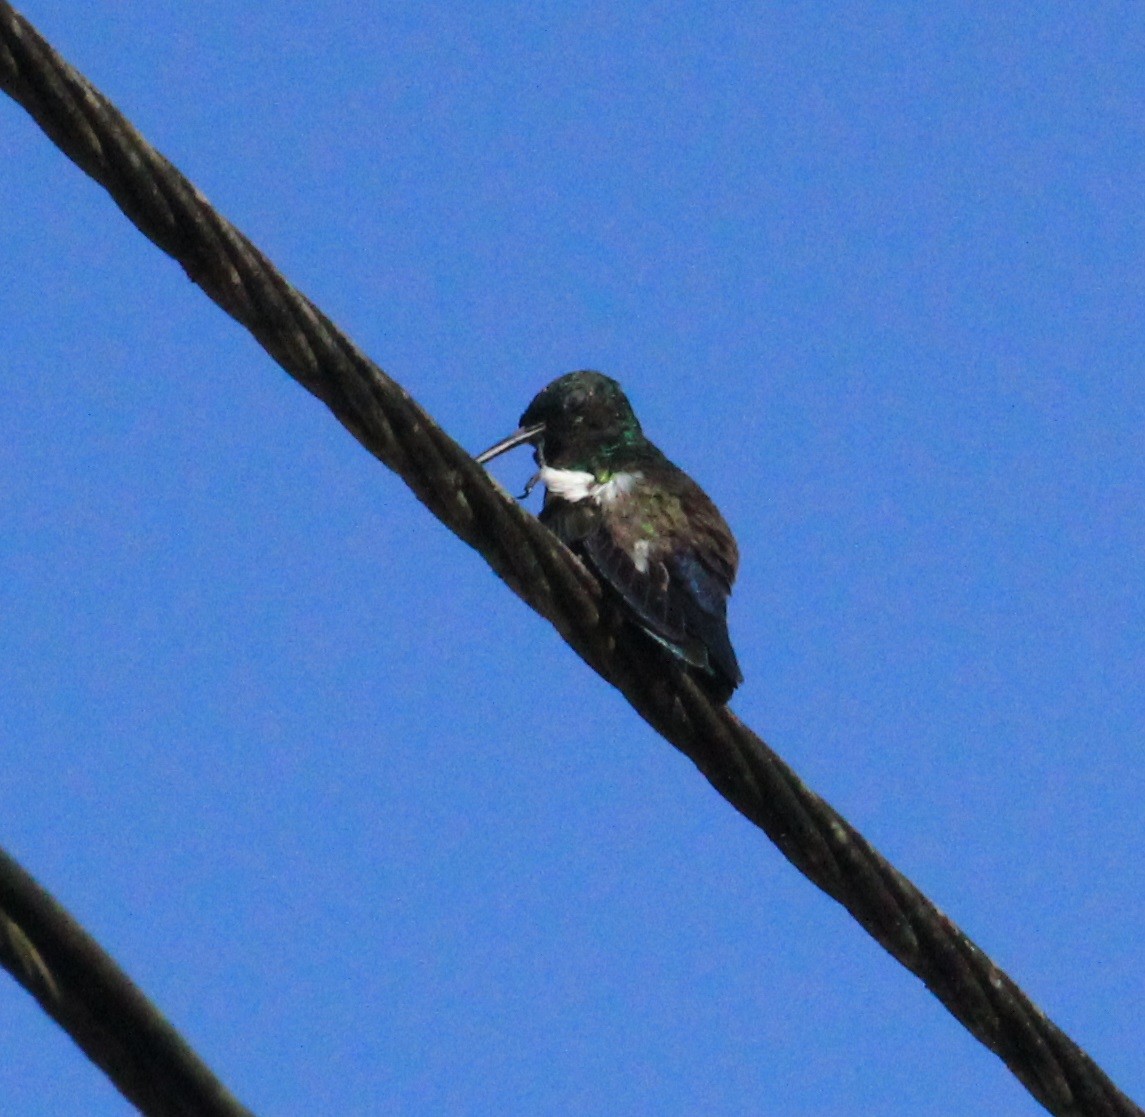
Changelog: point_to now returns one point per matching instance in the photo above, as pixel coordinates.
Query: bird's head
(579, 417)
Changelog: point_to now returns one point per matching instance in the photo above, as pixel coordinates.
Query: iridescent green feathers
(644, 525)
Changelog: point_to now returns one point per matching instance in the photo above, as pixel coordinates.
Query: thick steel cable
(81, 988)
(383, 417)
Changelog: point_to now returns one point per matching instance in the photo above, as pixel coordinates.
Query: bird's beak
(523, 434)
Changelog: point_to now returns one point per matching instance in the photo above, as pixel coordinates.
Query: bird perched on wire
(644, 526)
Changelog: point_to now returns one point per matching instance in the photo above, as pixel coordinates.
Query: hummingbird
(645, 528)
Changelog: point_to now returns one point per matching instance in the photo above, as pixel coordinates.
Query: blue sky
(357, 820)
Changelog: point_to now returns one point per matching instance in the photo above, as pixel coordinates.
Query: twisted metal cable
(380, 414)
(80, 987)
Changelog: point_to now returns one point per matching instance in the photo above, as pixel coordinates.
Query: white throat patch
(576, 484)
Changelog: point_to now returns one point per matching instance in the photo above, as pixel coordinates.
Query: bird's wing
(657, 595)
(704, 597)
(678, 590)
